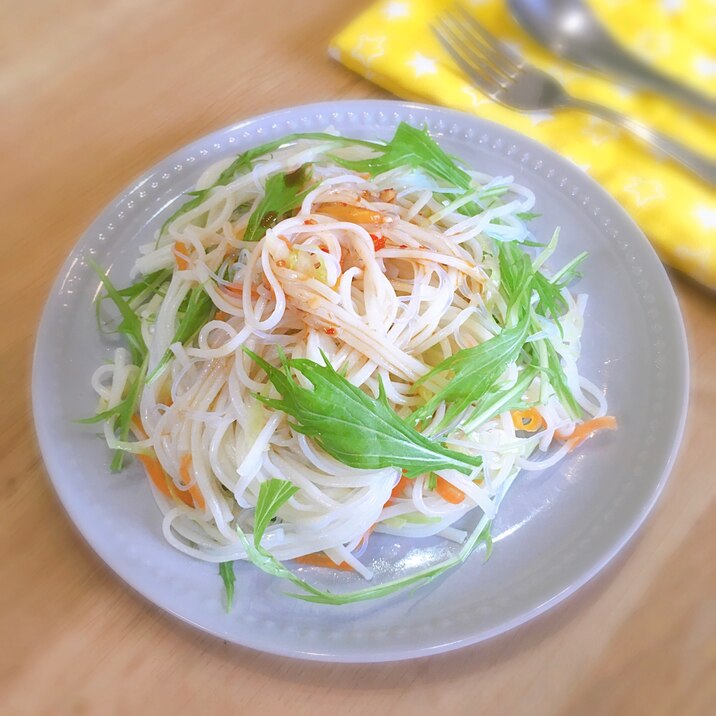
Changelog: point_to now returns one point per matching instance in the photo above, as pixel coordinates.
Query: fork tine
(473, 70)
(475, 52)
(498, 48)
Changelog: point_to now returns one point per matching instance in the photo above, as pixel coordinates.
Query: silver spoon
(570, 30)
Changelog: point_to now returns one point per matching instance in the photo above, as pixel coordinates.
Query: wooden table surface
(93, 93)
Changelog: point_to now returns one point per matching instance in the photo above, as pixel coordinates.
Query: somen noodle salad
(334, 338)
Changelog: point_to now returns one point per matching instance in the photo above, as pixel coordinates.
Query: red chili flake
(330, 331)
(378, 242)
(310, 222)
(281, 263)
(325, 249)
(403, 246)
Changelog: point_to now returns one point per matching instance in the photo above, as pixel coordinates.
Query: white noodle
(316, 285)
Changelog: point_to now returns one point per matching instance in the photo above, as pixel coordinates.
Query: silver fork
(505, 76)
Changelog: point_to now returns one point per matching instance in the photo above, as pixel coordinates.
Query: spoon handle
(640, 74)
(699, 164)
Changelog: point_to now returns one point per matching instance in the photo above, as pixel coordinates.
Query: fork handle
(699, 164)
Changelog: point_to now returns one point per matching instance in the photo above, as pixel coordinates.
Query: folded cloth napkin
(392, 45)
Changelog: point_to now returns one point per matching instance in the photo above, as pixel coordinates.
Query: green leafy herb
(351, 426)
(244, 163)
(121, 414)
(527, 215)
(515, 274)
(519, 278)
(282, 194)
(195, 311)
(135, 294)
(147, 286)
(498, 401)
(552, 303)
(130, 324)
(273, 494)
(226, 571)
(265, 561)
(491, 192)
(559, 381)
(415, 148)
(570, 272)
(474, 372)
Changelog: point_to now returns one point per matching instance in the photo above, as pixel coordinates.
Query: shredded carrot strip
(347, 212)
(186, 479)
(138, 427)
(235, 289)
(181, 252)
(161, 481)
(155, 471)
(222, 316)
(321, 559)
(587, 429)
(529, 420)
(399, 488)
(449, 492)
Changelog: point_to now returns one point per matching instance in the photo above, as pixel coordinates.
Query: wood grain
(91, 95)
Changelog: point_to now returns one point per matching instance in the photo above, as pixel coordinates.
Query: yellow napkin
(392, 45)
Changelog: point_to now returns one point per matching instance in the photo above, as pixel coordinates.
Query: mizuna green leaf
(473, 372)
(272, 495)
(352, 427)
(559, 381)
(265, 561)
(283, 193)
(226, 571)
(415, 148)
(130, 325)
(244, 163)
(527, 215)
(122, 414)
(195, 311)
(498, 401)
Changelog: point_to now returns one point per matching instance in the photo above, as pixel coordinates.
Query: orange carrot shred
(186, 479)
(399, 488)
(529, 420)
(585, 430)
(181, 253)
(155, 471)
(234, 289)
(161, 481)
(321, 559)
(449, 492)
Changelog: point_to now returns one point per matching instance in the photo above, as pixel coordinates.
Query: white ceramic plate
(556, 529)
